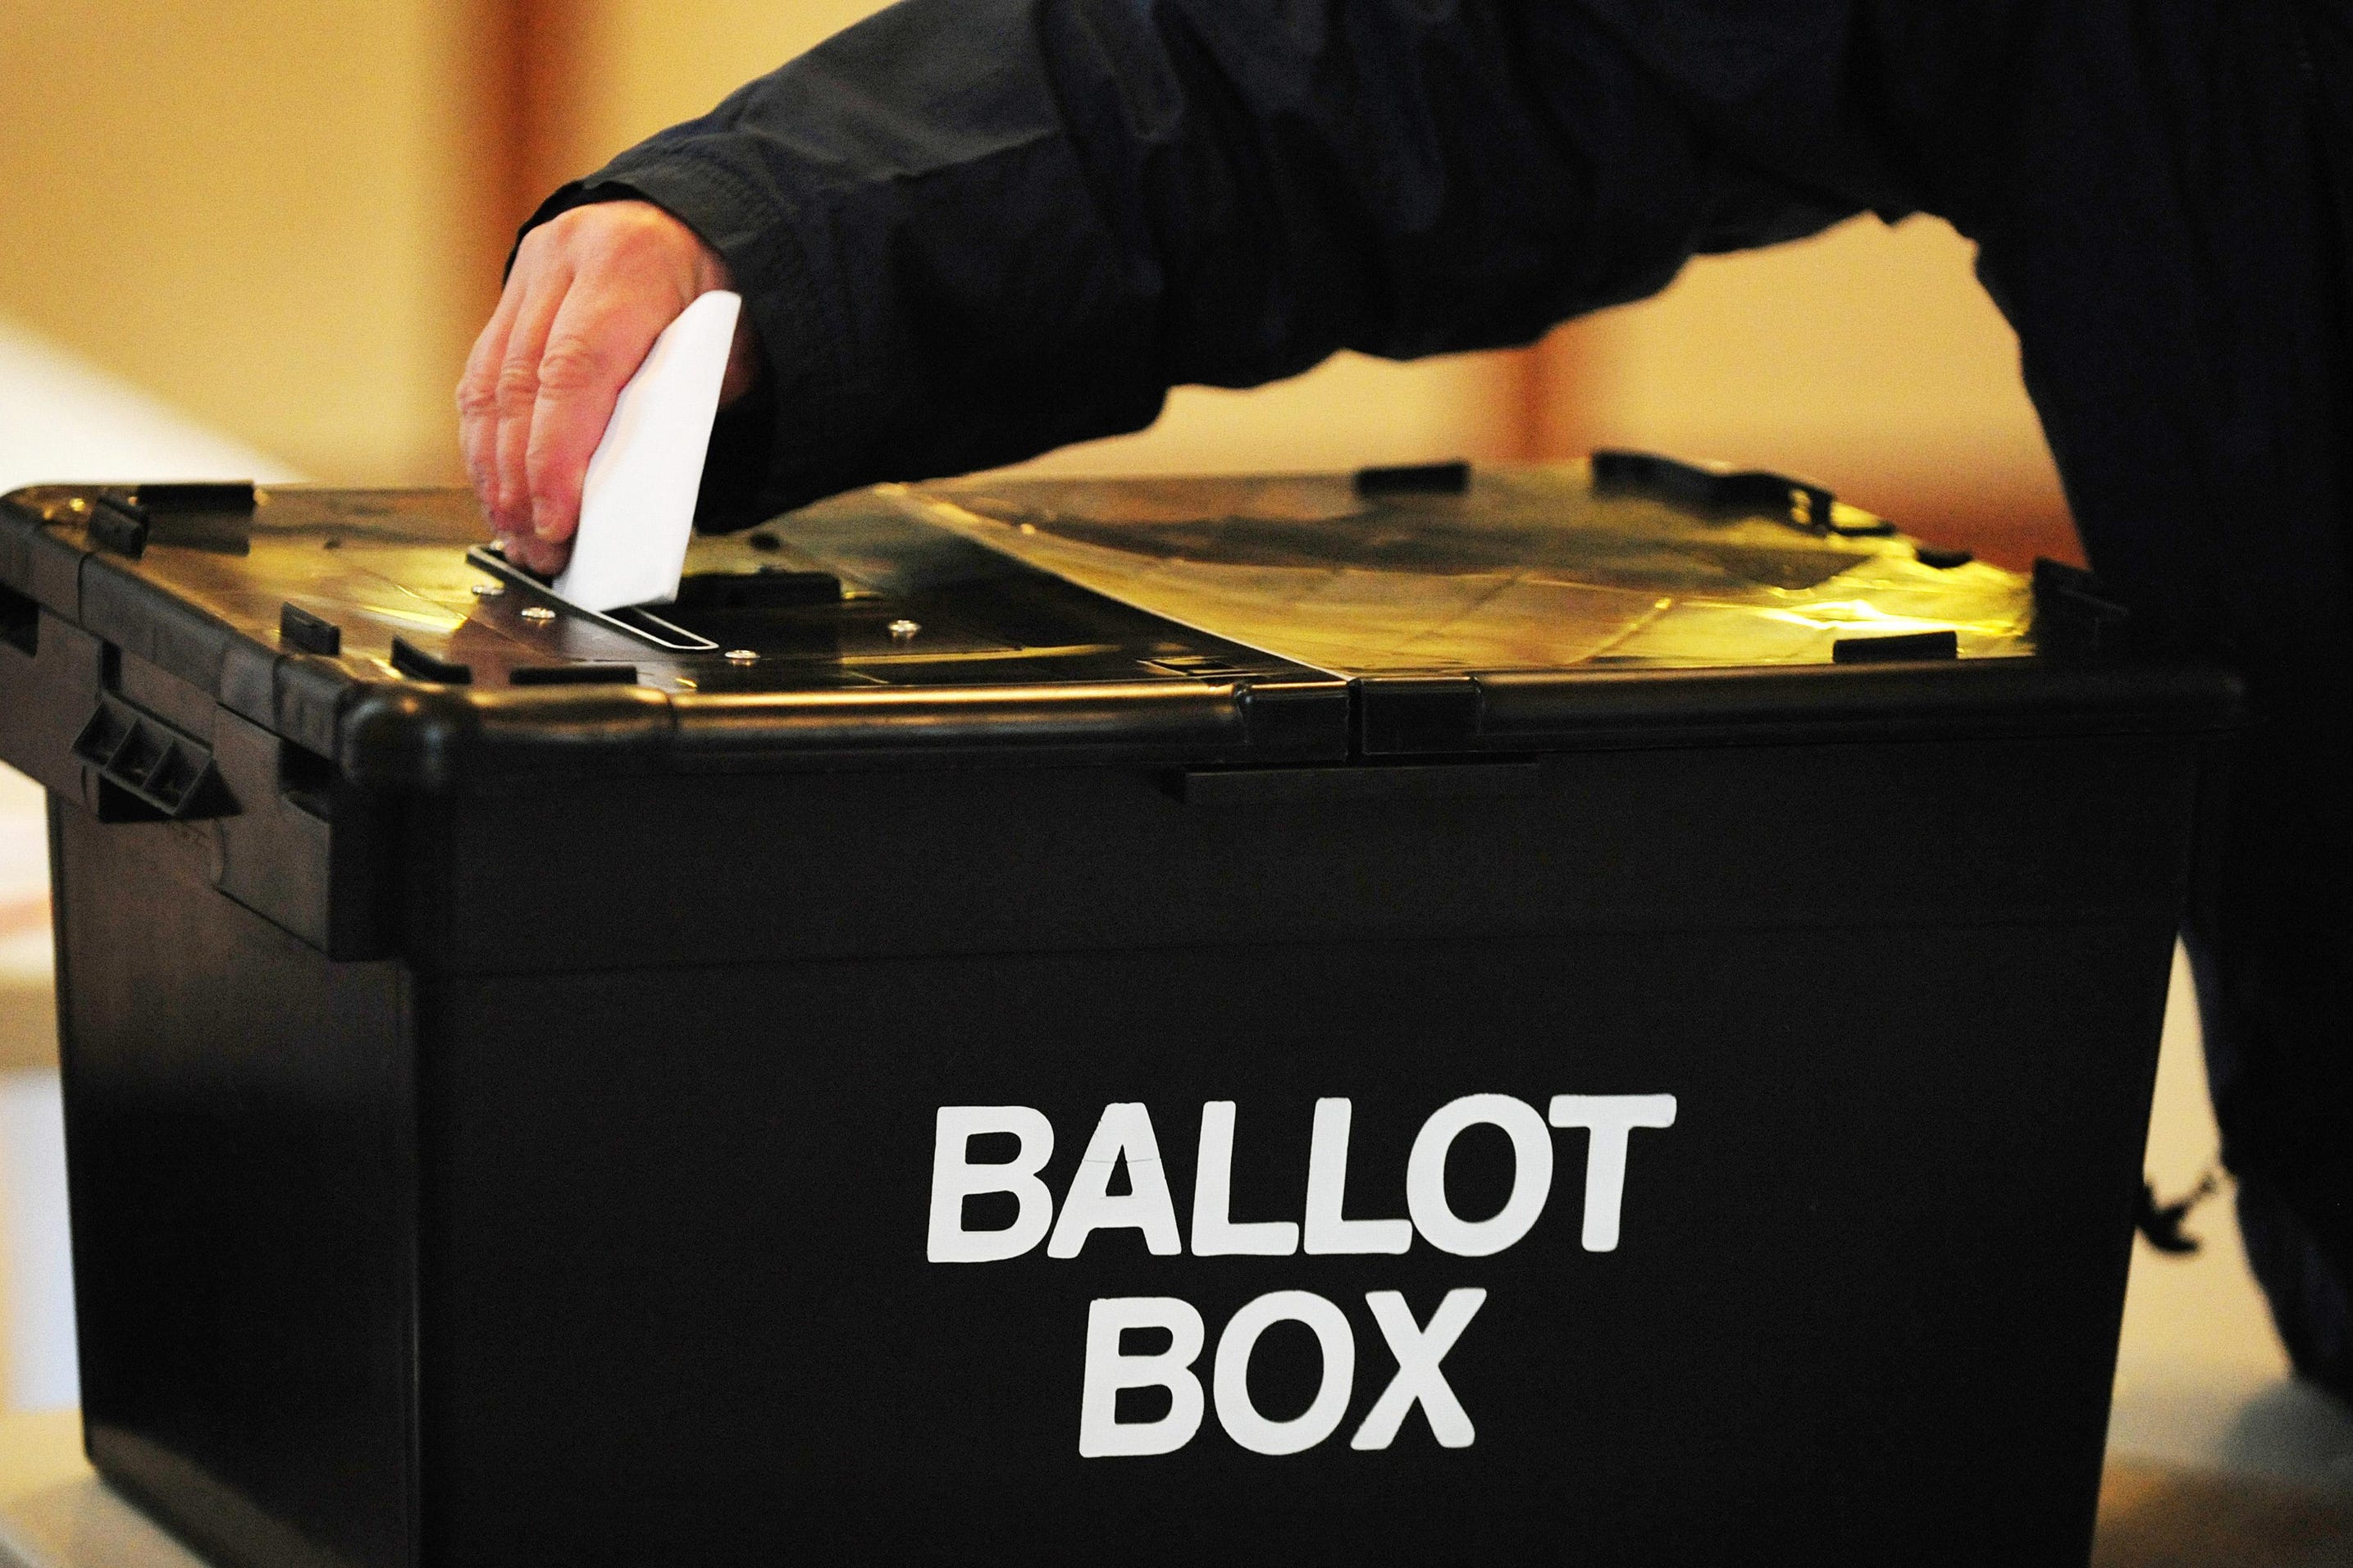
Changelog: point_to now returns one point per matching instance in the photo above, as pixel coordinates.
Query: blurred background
(256, 237)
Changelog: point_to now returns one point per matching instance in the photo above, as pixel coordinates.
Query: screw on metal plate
(489, 590)
(539, 613)
(742, 655)
(904, 631)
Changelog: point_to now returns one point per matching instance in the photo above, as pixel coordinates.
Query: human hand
(590, 291)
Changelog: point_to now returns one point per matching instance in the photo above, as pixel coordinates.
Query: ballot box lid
(1435, 613)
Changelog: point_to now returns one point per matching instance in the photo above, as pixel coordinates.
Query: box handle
(164, 771)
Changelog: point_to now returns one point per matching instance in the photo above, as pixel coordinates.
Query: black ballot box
(1600, 1014)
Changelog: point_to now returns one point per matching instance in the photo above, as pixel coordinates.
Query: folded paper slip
(637, 509)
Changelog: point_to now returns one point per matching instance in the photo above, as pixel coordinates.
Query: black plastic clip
(299, 628)
(168, 772)
(1901, 648)
(1717, 486)
(415, 662)
(120, 526)
(196, 495)
(1416, 479)
(2073, 616)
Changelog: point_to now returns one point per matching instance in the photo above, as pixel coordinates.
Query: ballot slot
(635, 619)
(788, 615)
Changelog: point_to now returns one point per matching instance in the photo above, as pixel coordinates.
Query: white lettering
(954, 1179)
(1425, 1175)
(1610, 1117)
(1101, 1434)
(1419, 1350)
(1125, 1132)
(1240, 1418)
(1327, 1189)
(1214, 1234)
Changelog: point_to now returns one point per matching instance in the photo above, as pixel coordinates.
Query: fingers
(595, 343)
(590, 291)
(518, 398)
(477, 415)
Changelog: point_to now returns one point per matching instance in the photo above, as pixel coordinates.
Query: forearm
(970, 230)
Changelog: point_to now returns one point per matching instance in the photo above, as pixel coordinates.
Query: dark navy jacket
(970, 230)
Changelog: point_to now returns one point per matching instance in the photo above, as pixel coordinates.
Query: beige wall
(1867, 349)
(1867, 357)
(651, 63)
(259, 209)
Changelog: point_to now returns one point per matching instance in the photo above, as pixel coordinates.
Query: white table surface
(56, 1513)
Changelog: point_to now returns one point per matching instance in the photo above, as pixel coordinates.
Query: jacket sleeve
(969, 231)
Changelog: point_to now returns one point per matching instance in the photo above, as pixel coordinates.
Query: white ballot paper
(637, 508)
